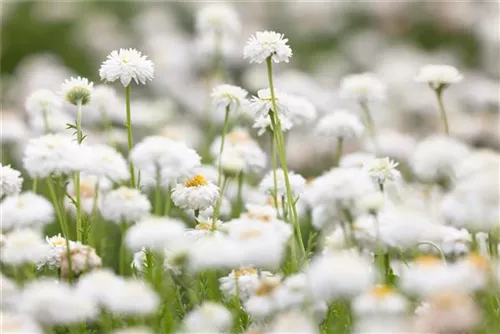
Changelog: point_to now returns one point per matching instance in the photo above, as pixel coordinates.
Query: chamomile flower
(263, 102)
(23, 246)
(438, 75)
(100, 285)
(242, 282)
(228, 97)
(219, 18)
(208, 317)
(42, 103)
(381, 300)
(125, 65)
(26, 210)
(125, 205)
(297, 183)
(107, 162)
(18, 323)
(77, 90)
(91, 190)
(10, 293)
(340, 124)
(363, 88)
(395, 145)
(83, 258)
(293, 322)
(265, 44)
(11, 181)
(382, 170)
(263, 303)
(132, 298)
(196, 194)
(57, 246)
(154, 233)
(263, 123)
(301, 110)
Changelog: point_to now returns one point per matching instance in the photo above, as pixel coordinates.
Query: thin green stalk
(129, 135)
(442, 111)
(275, 181)
(79, 136)
(239, 198)
(123, 249)
(282, 155)
(35, 185)
(221, 149)
(168, 201)
(158, 197)
(218, 205)
(432, 244)
(338, 152)
(46, 126)
(91, 236)
(369, 123)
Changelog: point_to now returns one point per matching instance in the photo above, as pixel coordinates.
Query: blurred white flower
(18, 323)
(26, 210)
(77, 90)
(263, 123)
(242, 282)
(83, 258)
(228, 96)
(127, 64)
(154, 233)
(297, 183)
(196, 194)
(99, 285)
(208, 317)
(382, 170)
(293, 322)
(340, 124)
(363, 88)
(106, 162)
(11, 181)
(265, 44)
(381, 300)
(42, 103)
(438, 75)
(125, 205)
(131, 298)
(220, 18)
(23, 246)
(263, 102)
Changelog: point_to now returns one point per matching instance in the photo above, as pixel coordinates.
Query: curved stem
(129, 135)
(221, 149)
(275, 180)
(430, 243)
(338, 152)
(444, 119)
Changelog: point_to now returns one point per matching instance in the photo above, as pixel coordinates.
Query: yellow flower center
(128, 195)
(196, 181)
(238, 137)
(250, 234)
(478, 261)
(206, 226)
(382, 291)
(245, 271)
(266, 287)
(125, 59)
(427, 261)
(262, 217)
(87, 190)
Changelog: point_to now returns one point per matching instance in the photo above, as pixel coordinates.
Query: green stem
(221, 149)
(123, 249)
(46, 126)
(35, 185)
(129, 135)
(91, 236)
(218, 205)
(239, 198)
(369, 123)
(79, 227)
(430, 243)
(282, 156)
(158, 199)
(338, 152)
(168, 201)
(275, 180)
(444, 119)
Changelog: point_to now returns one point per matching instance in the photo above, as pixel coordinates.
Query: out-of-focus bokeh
(43, 43)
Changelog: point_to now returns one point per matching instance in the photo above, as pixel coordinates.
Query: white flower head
(208, 317)
(364, 87)
(263, 123)
(340, 124)
(382, 170)
(154, 233)
(297, 183)
(131, 297)
(265, 44)
(381, 300)
(196, 193)
(11, 181)
(107, 162)
(218, 18)
(263, 102)
(228, 97)
(100, 285)
(127, 64)
(83, 258)
(23, 246)
(125, 204)
(26, 210)
(42, 102)
(438, 76)
(18, 323)
(77, 90)
(242, 282)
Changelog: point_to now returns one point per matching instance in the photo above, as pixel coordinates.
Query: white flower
(381, 300)
(57, 245)
(228, 96)
(356, 159)
(127, 64)
(196, 194)
(125, 205)
(340, 124)
(301, 110)
(262, 103)
(219, 18)
(133, 330)
(56, 303)
(242, 282)
(293, 322)
(438, 75)
(53, 154)
(382, 170)
(18, 323)
(10, 293)
(77, 90)
(11, 181)
(105, 106)
(100, 285)
(154, 233)
(265, 44)
(83, 259)
(208, 317)
(91, 190)
(339, 275)
(42, 103)
(263, 303)
(297, 183)
(395, 145)
(263, 123)
(26, 210)
(364, 87)
(131, 298)
(107, 162)
(23, 246)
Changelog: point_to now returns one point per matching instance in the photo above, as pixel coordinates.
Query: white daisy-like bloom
(14, 129)
(127, 64)
(125, 205)
(396, 145)
(26, 210)
(18, 323)
(438, 75)
(105, 106)
(83, 258)
(220, 18)
(263, 302)
(263, 102)
(42, 103)
(57, 246)
(301, 110)
(11, 181)
(208, 317)
(54, 122)
(263, 123)
(53, 302)
(265, 44)
(297, 183)
(53, 154)
(242, 282)
(77, 90)
(106, 162)
(340, 124)
(240, 148)
(337, 275)
(10, 293)
(435, 158)
(382, 170)
(91, 190)
(356, 159)
(228, 97)
(23, 246)
(196, 194)
(133, 330)
(363, 88)
(381, 300)
(131, 298)
(100, 285)
(293, 322)
(174, 160)
(154, 233)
